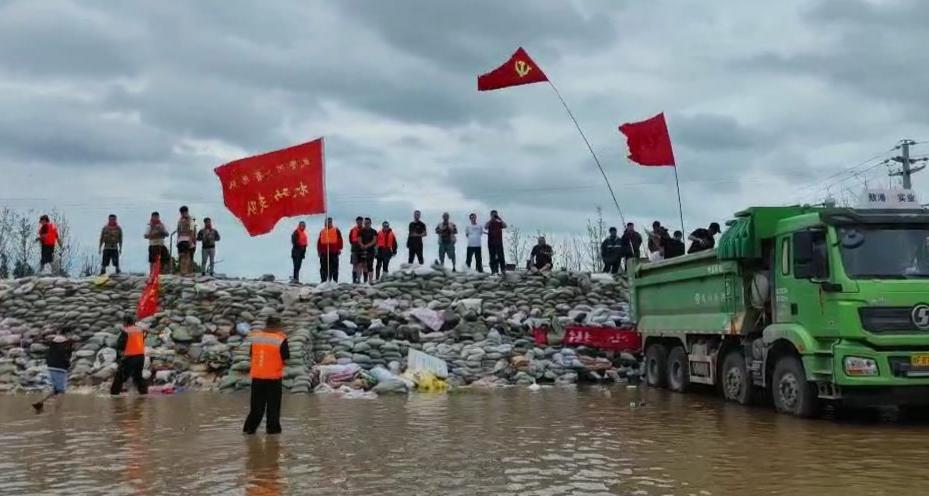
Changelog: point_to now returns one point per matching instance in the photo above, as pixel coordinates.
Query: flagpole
(680, 207)
(322, 153)
(594, 155)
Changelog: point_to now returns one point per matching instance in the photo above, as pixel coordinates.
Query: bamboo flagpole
(589, 147)
(680, 207)
(520, 69)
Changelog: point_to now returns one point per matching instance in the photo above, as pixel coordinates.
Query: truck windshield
(885, 252)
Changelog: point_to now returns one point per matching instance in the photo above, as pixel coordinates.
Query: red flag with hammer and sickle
(520, 69)
(148, 302)
(263, 189)
(649, 142)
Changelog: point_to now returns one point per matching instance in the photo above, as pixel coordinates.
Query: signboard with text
(889, 198)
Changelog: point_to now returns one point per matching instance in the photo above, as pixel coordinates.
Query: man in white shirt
(474, 233)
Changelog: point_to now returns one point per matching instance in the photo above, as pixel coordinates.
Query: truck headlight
(859, 366)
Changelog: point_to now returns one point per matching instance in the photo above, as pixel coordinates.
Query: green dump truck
(808, 305)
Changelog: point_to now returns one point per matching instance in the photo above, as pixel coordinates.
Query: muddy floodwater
(555, 441)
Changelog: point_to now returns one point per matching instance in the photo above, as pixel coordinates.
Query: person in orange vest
(329, 247)
(386, 249)
(48, 238)
(298, 240)
(268, 353)
(355, 247)
(130, 355)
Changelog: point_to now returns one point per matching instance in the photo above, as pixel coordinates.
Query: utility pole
(905, 161)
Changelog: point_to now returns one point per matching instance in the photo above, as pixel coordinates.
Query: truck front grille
(887, 319)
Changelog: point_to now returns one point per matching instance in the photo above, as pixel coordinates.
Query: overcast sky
(126, 107)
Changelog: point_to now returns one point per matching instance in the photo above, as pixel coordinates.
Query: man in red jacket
(48, 238)
(329, 247)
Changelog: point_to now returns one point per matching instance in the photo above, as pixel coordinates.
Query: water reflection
(593, 441)
(262, 466)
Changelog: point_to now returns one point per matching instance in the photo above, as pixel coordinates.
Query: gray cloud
(127, 107)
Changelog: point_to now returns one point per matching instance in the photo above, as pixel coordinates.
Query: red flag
(148, 302)
(520, 69)
(263, 189)
(649, 142)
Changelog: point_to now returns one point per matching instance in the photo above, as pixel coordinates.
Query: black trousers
(474, 251)
(266, 397)
(110, 255)
(611, 267)
(383, 262)
(298, 262)
(497, 261)
(415, 246)
(328, 267)
(48, 255)
(131, 367)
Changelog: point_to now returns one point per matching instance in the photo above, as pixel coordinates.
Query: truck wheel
(656, 365)
(790, 390)
(736, 382)
(678, 370)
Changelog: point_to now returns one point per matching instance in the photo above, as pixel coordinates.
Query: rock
(479, 325)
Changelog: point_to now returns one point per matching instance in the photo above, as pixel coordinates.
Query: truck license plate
(921, 361)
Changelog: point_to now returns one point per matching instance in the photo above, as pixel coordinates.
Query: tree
(516, 246)
(88, 263)
(23, 243)
(70, 248)
(7, 217)
(596, 231)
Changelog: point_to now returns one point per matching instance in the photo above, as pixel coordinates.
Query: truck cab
(809, 305)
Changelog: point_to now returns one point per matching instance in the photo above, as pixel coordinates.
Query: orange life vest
(51, 235)
(329, 236)
(386, 239)
(353, 235)
(302, 238)
(135, 345)
(266, 355)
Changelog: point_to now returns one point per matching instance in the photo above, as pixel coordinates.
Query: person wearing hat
(268, 352)
(58, 361)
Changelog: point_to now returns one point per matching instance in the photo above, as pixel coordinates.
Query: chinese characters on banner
(889, 198)
(605, 338)
(262, 190)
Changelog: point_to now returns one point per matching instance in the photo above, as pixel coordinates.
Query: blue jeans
(59, 380)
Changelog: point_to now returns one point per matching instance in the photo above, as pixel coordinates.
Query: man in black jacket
(58, 361)
(611, 251)
(673, 247)
(632, 245)
(703, 239)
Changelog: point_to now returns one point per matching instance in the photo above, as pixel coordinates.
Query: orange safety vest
(135, 345)
(329, 236)
(266, 355)
(302, 238)
(353, 235)
(51, 235)
(386, 239)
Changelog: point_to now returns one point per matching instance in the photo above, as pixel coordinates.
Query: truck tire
(678, 370)
(790, 390)
(656, 365)
(735, 380)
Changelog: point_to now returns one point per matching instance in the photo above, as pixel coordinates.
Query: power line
(816, 187)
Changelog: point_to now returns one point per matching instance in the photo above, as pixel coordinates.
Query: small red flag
(148, 302)
(262, 190)
(649, 142)
(520, 69)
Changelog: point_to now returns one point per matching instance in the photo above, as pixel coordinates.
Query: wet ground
(589, 441)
